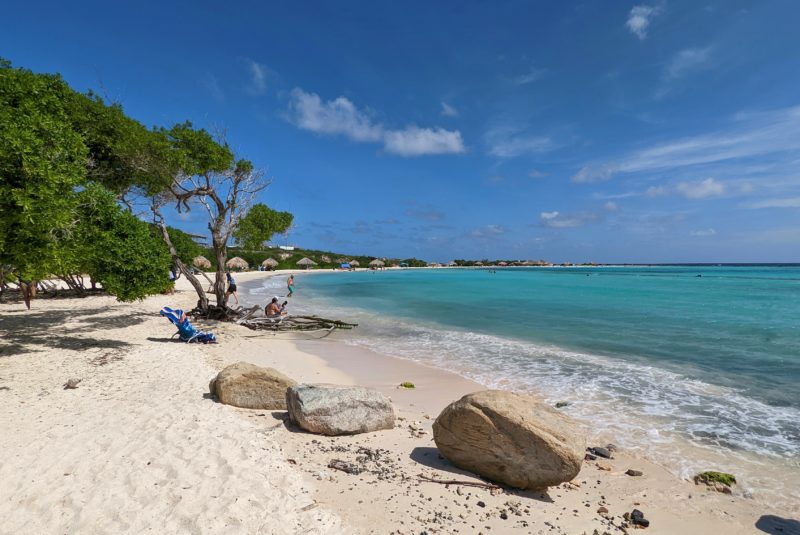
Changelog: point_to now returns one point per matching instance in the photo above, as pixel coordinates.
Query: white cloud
(594, 173)
(507, 142)
(488, 231)
(611, 206)
(686, 61)
(535, 173)
(748, 136)
(258, 78)
(703, 233)
(211, 84)
(655, 191)
(639, 19)
(448, 110)
(791, 202)
(414, 141)
(701, 190)
(557, 220)
(341, 117)
(529, 77)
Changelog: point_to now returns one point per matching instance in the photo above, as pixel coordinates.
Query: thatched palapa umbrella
(354, 263)
(306, 263)
(377, 263)
(201, 262)
(237, 263)
(269, 263)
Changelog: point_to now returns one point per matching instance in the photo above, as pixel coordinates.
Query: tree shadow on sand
(430, 457)
(33, 331)
(776, 524)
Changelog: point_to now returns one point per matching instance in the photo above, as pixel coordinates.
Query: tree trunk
(221, 253)
(202, 301)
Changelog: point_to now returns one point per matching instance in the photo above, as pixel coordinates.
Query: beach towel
(186, 330)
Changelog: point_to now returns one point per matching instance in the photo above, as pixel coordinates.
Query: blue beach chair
(186, 330)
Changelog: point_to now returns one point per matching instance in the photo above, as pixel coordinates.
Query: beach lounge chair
(186, 330)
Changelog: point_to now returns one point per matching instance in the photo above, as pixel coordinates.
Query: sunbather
(274, 310)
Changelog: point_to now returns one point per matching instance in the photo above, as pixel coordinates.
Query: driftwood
(490, 486)
(295, 323)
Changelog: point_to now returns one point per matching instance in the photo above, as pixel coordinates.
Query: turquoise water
(655, 354)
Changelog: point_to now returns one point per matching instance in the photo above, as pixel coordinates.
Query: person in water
(290, 285)
(231, 286)
(273, 310)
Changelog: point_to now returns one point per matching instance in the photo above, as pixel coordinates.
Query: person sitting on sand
(274, 310)
(231, 286)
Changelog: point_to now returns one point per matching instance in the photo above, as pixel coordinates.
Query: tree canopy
(260, 224)
(63, 155)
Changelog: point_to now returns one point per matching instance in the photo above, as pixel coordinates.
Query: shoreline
(149, 407)
(769, 481)
(384, 371)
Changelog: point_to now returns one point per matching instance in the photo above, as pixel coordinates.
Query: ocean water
(697, 367)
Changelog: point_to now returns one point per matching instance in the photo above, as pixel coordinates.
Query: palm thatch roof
(269, 262)
(201, 262)
(237, 263)
(306, 262)
(354, 263)
(377, 263)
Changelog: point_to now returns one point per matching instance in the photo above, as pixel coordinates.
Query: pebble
(602, 510)
(634, 473)
(600, 452)
(603, 466)
(481, 504)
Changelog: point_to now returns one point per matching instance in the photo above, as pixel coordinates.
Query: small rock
(634, 473)
(504, 516)
(611, 447)
(71, 383)
(601, 452)
(561, 404)
(638, 519)
(603, 466)
(589, 457)
(481, 504)
(602, 510)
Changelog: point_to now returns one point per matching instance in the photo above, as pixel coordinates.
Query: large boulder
(339, 410)
(251, 387)
(511, 439)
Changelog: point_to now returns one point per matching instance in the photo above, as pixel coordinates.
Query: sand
(140, 446)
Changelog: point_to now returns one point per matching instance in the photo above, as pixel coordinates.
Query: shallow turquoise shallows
(708, 353)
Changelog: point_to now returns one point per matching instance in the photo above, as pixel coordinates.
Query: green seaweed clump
(715, 477)
(406, 384)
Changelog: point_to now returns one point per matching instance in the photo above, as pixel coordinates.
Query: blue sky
(598, 131)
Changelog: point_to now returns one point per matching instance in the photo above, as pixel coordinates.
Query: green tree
(56, 214)
(42, 161)
(185, 246)
(260, 224)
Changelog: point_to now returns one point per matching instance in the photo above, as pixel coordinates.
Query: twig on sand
(447, 482)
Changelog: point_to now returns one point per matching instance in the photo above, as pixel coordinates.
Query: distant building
(286, 247)
(199, 239)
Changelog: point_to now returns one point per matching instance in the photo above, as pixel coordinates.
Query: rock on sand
(251, 387)
(511, 439)
(339, 410)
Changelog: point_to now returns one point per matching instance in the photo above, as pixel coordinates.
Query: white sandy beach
(140, 445)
